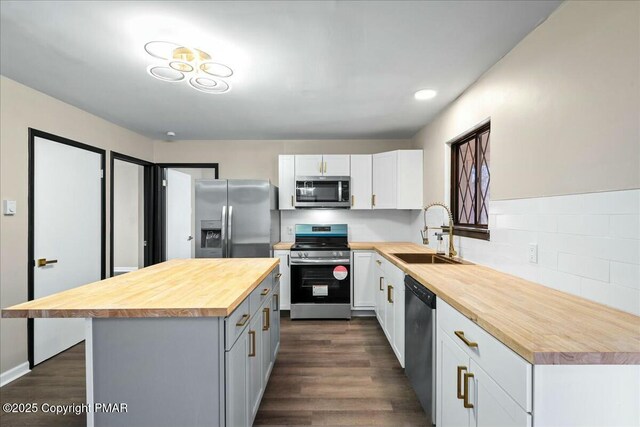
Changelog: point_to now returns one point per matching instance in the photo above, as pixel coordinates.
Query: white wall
(128, 215)
(364, 226)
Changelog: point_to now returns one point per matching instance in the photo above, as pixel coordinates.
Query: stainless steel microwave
(323, 192)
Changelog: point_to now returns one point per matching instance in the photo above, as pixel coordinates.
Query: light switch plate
(9, 207)
(533, 253)
(290, 230)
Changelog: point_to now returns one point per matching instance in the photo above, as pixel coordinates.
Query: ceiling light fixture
(425, 94)
(180, 63)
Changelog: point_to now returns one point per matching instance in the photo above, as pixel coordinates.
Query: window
(470, 178)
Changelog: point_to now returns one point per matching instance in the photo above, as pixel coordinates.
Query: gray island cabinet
(193, 344)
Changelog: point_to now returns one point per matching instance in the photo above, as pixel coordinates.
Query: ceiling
(303, 70)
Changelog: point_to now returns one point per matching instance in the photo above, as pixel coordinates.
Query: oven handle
(320, 261)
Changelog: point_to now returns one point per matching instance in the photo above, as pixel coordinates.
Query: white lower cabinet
(468, 395)
(285, 278)
(388, 285)
(363, 275)
(250, 360)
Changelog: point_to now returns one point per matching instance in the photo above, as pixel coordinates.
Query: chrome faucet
(425, 231)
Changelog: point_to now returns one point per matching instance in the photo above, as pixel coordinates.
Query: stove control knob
(335, 253)
(306, 254)
(340, 254)
(299, 254)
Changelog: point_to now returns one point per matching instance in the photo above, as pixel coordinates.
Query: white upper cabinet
(286, 182)
(361, 168)
(385, 180)
(336, 165)
(322, 165)
(309, 165)
(397, 180)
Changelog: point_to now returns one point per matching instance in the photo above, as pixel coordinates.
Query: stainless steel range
(320, 272)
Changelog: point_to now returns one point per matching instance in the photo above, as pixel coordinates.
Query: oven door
(315, 283)
(327, 192)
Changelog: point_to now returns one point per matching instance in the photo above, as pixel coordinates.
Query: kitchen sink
(422, 258)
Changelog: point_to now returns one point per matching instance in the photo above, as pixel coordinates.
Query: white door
(385, 180)
(361, 165)
(178, 214)
(309, 165)
(67, 228)
(336, 165)
(364, 282)
(398, 315)
(451, 410)
(287, 182)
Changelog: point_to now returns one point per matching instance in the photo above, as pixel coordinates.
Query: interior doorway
(132, 214)
(66, 232)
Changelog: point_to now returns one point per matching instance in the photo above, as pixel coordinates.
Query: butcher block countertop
(542, 325)
(176, 288)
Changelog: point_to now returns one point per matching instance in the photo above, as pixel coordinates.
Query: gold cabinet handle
(459, 384)
(320, 167)
(265, 291)
(353, 200)
(381, 288)
(465, 400)
(252, 347)
(43, 261)
(292, 200)
(390, 293)
(378, 262)
(278, 276)
(325, 167)
(265, 327)
(460, 334)
(243, 320)
(276, 298)
(373, 200)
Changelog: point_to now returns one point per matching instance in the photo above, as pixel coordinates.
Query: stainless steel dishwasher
(419, 342)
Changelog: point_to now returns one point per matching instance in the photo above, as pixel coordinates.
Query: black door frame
(160, 231)
(35, 133)
(149, 206)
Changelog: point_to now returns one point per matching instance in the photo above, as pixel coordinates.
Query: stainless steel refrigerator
(236, 218)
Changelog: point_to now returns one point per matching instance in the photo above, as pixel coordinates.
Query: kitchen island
(184, 342)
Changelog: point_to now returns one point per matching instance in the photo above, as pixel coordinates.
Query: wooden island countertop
(542, 325)
(176, 288)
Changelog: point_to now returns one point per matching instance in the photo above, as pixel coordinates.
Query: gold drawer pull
(465, 401)
(378, 262)
(265, 291)
(373, 200)
(353, 200)
(390, 293)
(278, 276)
(459, 386)
(265, 327)
(276, 298)
(460, 334)
(381, 283)
(292, 200)
(243, 320)
(252, 346)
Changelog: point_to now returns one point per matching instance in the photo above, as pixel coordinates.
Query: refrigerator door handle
(229, 234)
(223, 231)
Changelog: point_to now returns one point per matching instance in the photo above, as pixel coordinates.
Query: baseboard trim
(14, 373)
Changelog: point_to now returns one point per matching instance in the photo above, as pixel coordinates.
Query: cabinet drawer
(508, 369)
(235, 324)
(260, 294)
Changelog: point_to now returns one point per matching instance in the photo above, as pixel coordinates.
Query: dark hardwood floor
(338, 373)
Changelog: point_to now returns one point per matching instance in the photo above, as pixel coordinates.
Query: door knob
(41, 262)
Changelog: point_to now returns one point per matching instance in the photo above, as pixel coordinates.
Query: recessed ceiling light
(192, 65)
(171, 134)
(423, 94)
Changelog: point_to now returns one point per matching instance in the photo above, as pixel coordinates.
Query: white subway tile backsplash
(593, 268)
(588, 225)
(625, 226)
(558, 280)
(620, 297)
(624, 274)
(588, 244)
